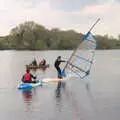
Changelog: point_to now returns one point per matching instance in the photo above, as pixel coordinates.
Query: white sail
(82, 58)
(80, 62)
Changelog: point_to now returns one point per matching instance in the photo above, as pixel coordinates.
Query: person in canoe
(57, 66)
(34, 62)
(27, 77)
(42, 62)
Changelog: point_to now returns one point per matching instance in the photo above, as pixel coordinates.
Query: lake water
(98, 101)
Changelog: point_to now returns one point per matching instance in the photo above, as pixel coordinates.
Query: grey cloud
(74, 5)
(71, 5)
(118, 0)
(29, 3)
(63, 5)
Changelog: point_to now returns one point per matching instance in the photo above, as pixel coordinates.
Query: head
(27, 70)
(59, 57)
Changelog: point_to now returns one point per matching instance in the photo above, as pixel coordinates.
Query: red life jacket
(27, 77)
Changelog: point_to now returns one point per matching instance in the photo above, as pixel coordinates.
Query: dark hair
(27, 70)
(59, 57)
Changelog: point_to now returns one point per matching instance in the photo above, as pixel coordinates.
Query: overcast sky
(64, 14)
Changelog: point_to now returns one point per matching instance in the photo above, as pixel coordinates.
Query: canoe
(29, 85)
(43, 67)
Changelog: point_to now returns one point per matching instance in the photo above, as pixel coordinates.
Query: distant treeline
(32, 36)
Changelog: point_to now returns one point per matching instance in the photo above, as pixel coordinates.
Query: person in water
(57, 66)
(27, 77)
(42, 62)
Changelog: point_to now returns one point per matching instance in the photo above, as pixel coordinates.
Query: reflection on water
(79, 103)
(65, 98)
(27, 99)
(27, 95)
(60, 85)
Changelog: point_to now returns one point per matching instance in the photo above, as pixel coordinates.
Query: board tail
(63, 74)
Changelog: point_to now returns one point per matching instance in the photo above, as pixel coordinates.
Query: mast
(94, 24)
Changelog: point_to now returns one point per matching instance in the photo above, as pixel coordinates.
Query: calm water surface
(98, 101)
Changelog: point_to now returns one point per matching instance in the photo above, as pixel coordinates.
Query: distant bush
(32, 36)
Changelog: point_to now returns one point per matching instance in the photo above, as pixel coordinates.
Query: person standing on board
(57, 66)
(27, 77)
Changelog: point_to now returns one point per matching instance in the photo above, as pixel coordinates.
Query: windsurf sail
(81, 60)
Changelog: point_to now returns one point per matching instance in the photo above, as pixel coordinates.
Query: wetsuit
(57, 64)
(34, 63)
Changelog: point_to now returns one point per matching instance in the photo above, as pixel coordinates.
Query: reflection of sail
(81, 59)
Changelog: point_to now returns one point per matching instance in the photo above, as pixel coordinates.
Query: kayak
(29, 85)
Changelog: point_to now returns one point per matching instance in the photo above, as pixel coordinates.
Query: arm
(22, 78)
(59, 60)
(62, 61)
(33, 76)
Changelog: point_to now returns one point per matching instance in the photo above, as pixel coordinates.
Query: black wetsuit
(57, 64)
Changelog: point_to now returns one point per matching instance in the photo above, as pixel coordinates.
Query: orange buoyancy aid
(27, 77)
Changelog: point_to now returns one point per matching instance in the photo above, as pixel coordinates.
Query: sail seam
(77, 67)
